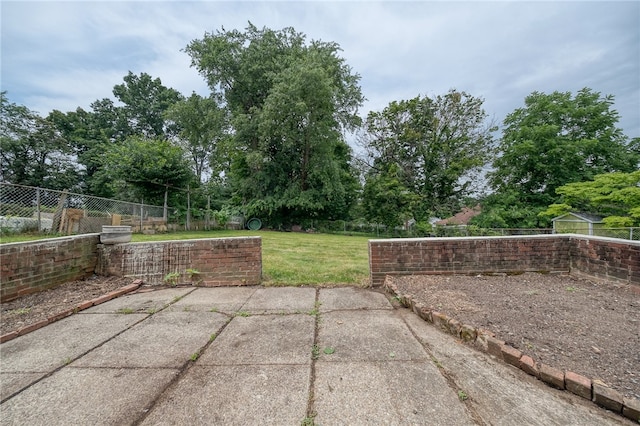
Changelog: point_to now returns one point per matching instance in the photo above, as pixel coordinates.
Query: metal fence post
(38, 209)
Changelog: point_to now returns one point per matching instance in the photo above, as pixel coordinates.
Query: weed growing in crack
(124, 311)
(315, 352)
(242, 314)
(194, 356)
(309, 420)
(436, 362)
(172, 278)
(462, 395)
(213, 337)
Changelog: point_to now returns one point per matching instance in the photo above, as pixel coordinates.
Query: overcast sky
(64, 55)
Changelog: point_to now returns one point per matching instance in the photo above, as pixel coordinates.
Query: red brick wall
(607, 258)
(34, 266)
(219, 261)
(600, 257)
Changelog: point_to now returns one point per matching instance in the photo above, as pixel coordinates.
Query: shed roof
(587, 217)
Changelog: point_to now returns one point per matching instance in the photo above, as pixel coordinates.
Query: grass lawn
(290, 258)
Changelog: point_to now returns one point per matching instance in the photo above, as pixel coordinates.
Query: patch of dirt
(568, 322)
(29, 309)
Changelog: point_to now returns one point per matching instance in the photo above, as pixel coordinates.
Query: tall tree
(32, 152)
(88, 139)
(291, 103)
(145, 102)
(557, 139)
(203, 132)
(438, 145)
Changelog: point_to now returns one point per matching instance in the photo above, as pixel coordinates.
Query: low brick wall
(608, 258)
(217, 261)
(34, 266)
(592, 256)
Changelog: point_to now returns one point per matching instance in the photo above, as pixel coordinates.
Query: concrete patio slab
(398, 393)
(371, 365)
(141, 302)
(501, 393)
(59, 343)
(281, 300)
(375, 335)
(236, 395)
(164, 340)
(216, 299)
(263, 339)
(80, 396)
(352, 298)
(13, 382)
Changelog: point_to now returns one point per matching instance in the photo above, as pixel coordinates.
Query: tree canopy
(616, 196)
(290, 103)
(32, 152)
(553, 140)
(438, 145)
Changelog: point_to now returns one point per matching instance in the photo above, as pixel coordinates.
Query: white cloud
(60, 55)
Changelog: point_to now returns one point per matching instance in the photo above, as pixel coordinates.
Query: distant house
(577, 223)
(462, 218)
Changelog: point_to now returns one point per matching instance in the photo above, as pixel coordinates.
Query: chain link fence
(30, 209)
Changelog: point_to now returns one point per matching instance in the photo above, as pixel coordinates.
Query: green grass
(290, 258)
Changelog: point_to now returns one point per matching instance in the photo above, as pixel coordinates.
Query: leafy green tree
(88, 139)
(439, 145)
(385, 199)
(291, 103)
(32, 152)
(557, 139)
(143, 168)
(203, 132)
(145, 102)
(613, 195)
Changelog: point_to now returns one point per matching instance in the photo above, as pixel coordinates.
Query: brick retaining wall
(218, 261)
(593, 256)
(34, 266)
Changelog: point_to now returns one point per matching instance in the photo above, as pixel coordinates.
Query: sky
(59, 55)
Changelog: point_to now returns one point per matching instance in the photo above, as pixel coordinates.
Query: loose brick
(468, 333)
(529, 366)
(607, 397)
(631, 409)
(454, 327)
(440, 320)
(425, 314)
(101, 299)
(60, 315)
(494, 346)
(8, 336)
(511, 355)
(552, 376)
(33, 327)
(580, 385)
(84, 305)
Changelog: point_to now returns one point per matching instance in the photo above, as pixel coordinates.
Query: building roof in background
(461, 218)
